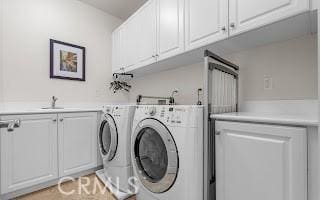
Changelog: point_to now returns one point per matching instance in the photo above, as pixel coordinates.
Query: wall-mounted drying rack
(221, 80)
(119, 84)
(117, 75)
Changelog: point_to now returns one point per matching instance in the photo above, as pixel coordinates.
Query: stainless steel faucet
(10, 124)
(53, 102)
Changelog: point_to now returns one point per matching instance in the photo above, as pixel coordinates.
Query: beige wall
(28, 26)
(291, 64)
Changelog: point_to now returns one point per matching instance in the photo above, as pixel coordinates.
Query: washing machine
(114, 142)
(167, 152)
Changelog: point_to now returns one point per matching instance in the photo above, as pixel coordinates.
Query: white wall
(28, 26)
(292, 65)
(1, 47)
(186, 80)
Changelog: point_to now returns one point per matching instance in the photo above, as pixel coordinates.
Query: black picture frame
(52, 56)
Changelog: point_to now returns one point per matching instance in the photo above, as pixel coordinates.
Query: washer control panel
(170, 115)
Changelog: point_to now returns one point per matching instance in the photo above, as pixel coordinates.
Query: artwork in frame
(67, 61)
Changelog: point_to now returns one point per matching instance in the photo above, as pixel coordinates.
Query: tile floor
(53, 193)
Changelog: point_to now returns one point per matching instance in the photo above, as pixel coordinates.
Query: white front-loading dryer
(167, 152)
(114, 142)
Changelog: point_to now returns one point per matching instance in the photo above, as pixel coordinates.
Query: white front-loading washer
(167, 152)
(114, 142)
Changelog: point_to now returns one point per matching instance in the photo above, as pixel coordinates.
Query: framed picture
(67, 61)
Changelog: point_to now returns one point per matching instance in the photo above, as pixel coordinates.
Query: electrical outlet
(267, 83)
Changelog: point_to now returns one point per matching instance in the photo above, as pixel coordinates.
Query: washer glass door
(156, 156)
(108, 137)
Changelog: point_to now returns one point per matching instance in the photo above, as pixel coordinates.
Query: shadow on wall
(291, 65)
(186, 80)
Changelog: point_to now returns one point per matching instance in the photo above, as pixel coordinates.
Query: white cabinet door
(29, 153)
(206, 22)
(147, 33)
(170, 28)
(130, 42)
(249, 14)
(262, 162)
(77, 142)
(116, 50)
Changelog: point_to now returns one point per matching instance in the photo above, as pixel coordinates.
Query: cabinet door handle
(224, 29)
(61, 120)
(232, 25)
(218, 132)
(54, 120)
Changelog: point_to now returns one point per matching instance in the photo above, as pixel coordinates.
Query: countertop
(47, 111)
(290, 119)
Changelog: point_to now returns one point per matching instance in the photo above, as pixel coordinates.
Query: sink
(50, 108)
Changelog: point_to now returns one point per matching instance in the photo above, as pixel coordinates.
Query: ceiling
(119, 8)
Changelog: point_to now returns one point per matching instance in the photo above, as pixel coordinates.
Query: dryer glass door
(156, 156)
(108, 137)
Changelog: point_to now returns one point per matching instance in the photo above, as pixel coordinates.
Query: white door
(249, 14)
(116, 50)
(77, 142)
(206, 22)
(170, 28)
(262, 162)
(29, 153)
(147, 33)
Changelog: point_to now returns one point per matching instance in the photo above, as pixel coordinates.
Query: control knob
(152, 111)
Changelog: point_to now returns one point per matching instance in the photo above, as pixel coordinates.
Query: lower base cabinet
(77, 142)
(46, 147)
(29, 153)
(257, 161)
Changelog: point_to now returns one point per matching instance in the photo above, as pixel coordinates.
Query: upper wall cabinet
(147, 33)
(206, 22)
(249, 14)
(170, 28)
(153, 33)
(116, 49)
(129, 41)
(161, 29)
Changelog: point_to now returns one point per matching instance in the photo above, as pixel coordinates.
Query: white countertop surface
(292, 119)
(46, 111)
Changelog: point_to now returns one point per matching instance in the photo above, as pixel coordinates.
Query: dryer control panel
(115, 111)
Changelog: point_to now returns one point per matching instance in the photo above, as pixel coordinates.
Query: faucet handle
(54, 98)
(172, 100)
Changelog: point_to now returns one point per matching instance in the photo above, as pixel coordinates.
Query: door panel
(130, 41)
(204, 22)
(261, 162)
(250, 14)
(29, 154)
(116, 50)
(108, 138)
(77, 142)
(170, 28)
(156, 156)
(147, 34)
